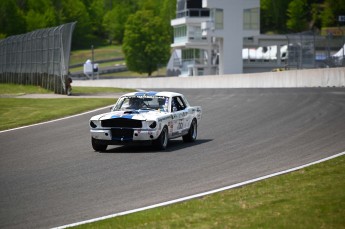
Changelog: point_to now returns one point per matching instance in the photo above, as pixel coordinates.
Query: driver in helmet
(135, 103)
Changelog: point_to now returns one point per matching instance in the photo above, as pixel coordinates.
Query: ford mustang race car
(141, 117)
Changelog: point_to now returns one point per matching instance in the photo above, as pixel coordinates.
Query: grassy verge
(159, 72)
(106, 52)
(98, 90)
(100, 66)
(100, 53)
(313, 197)
(16, 112)
(16, 89)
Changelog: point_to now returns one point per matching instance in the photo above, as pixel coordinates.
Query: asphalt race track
(50, 176)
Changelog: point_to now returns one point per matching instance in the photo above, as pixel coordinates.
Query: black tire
(98, 147)
(161, 142)
(192, 133)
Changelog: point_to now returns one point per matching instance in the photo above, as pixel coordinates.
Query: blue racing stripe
(129, 116)
(146, 93)
(151, 93)
(139, 94)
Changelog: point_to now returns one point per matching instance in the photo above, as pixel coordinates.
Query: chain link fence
(308, 50)
(38, 58)
(301, 50)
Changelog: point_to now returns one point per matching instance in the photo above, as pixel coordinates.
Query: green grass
(160, 72)
(16, 89)
(100, 65)
(16, 112)
(10, 90)
(313, 197)
(106, 52)
(100, 53)
(98, 90)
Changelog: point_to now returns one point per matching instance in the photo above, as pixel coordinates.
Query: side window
(177, 104)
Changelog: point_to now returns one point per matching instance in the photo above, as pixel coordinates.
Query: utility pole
(341, 19)
(92, 60)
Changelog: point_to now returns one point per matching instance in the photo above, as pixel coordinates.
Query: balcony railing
(193, 36)
(193, 13)
(184, 63)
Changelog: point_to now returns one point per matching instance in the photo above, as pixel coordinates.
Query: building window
(180, 31)
(191, 8)
(217, 15)
(190, 54)
(180, 34)
(251, 19)
(219, 19)
(181, 8)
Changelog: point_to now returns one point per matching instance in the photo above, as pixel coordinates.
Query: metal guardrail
(98, 62)
(101, 71)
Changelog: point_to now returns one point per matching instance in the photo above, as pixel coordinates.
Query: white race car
(146, 116)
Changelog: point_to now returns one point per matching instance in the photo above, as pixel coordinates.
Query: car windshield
(160, 103)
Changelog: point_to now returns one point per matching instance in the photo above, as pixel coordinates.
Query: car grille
(122, 133)
(122, 123)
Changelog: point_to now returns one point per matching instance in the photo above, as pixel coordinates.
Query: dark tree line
(283, 16)
(97, 20)
(104, 20)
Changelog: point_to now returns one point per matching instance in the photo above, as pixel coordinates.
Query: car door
(178, 107)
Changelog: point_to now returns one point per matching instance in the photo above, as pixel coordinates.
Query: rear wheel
(97, 146)
(161, 142)
(192, 133)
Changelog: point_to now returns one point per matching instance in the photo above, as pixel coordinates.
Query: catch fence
(308, 50)
(38, 58)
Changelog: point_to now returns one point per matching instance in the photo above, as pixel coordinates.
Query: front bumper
(118, 135)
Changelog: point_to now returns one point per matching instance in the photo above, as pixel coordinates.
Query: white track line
(199, 194)
(55, 120)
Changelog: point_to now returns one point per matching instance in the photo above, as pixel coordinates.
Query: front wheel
(192, 133)
(97, 146)
(161, 142)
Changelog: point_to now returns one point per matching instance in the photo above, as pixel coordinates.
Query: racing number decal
(180, 124)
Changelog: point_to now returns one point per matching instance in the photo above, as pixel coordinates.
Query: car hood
(133, 114)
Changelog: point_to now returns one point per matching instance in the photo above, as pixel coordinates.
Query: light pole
(92, 53)
(341, 19)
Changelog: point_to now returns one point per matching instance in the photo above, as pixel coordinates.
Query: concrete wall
(326, 77)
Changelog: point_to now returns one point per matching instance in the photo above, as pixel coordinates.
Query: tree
(297, 13)
(41, 14)
(96, 11)
(114, 22)
(146, 42)
(12, 19)
(167, 13)
(332, 9)
(75, 10)
(273, 15)
(152, 5)
(327, 17)
(315, 16)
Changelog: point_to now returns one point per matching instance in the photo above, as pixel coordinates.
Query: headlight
(153, 125)
(93, 124)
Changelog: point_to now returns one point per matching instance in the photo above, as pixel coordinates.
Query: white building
(208, 36)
